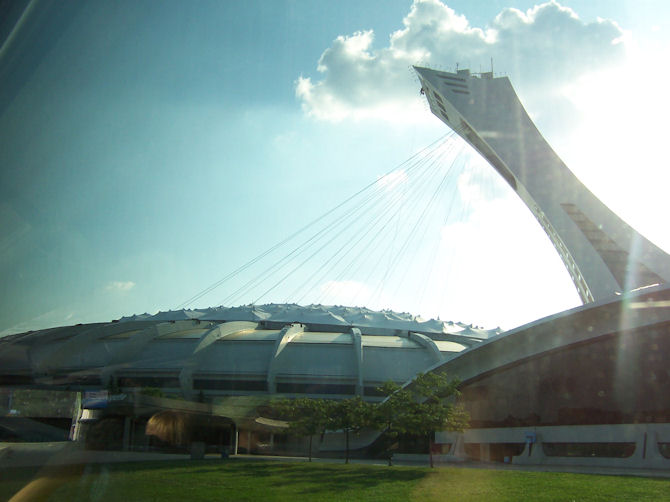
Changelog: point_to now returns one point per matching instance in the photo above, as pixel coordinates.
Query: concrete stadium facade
(225, 357)
(212, 364)
(590, 386)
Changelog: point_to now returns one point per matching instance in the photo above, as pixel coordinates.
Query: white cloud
(584, 86)
(120, 286)
(358, 82)
(542, 48)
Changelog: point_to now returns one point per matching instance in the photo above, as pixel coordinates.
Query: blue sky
(152, 147)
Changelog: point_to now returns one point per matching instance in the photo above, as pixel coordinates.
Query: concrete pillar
(457, 450)
(484, 452)
(197, 450)
(458, 447)
(532, 454)
(654, 459)
(126, 433)
(75, 427)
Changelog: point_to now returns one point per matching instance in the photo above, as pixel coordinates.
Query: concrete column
(285, 336)
(532, 454)
(75, 427)
(428, 344)
(654, 459)
(357, 345)
(126, 433)
(457, 450)
(216, 333)
(484, 452)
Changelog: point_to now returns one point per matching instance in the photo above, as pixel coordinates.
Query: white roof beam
(285, 336)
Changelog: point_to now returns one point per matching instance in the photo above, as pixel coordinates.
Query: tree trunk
(346, 446)
(389, 443)
(430, 449)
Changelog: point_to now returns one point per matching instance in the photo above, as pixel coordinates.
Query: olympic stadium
(589, 386)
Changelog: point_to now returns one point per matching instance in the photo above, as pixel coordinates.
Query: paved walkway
(608, 471)
(63, 453)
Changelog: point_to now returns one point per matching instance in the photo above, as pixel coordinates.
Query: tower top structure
(602, 253)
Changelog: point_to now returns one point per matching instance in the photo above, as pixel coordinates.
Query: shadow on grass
(319, 480)
(310, 479)
(313, 478)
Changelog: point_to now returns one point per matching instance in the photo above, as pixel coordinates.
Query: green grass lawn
(276, 481)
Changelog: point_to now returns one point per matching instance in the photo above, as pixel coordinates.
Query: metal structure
(602, 253)
(527, 392)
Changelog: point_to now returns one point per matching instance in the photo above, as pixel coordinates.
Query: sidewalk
(607, 471)
(63, 453)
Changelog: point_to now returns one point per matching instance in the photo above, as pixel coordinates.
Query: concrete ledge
(646, 438)
(65, 453)
(424, 458)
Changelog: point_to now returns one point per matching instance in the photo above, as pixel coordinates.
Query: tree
(40, 403)
(431, 411)
(390, 416)
(421, 407)
(349, 415)
(152, 392)
(306, 417)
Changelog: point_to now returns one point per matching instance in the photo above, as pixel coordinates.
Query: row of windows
(610, 450)
(501, 451)
(208, 384)
(249, 385)
(244, 385)
(310, 388)
(447, 77)
(451, 84)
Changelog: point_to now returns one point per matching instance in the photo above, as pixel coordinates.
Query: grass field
(275, 481)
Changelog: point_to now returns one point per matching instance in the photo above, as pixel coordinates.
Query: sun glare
(617, 146)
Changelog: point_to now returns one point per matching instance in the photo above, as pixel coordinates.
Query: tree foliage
(42, 403)
(350, 416)
(306, 417)
(423, 407)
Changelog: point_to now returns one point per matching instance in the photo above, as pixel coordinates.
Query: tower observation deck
(602, 253)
